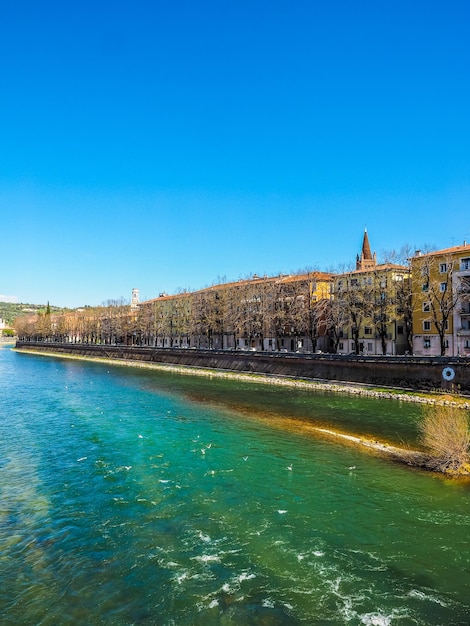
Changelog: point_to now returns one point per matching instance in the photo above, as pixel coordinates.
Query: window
(426, 343)
(354, 282)
(340, 345)
(443, 287)
(442, 268)
(465, 264)
(425, 286)
(427, 325)
(426, 307)
(370, 347)
(399, 330)
(368, 330)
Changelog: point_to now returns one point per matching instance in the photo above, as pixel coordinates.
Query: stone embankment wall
(450, 374)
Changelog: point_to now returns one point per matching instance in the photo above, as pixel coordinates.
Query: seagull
(289, 467)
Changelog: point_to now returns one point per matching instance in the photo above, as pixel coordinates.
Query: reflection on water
(146, 498)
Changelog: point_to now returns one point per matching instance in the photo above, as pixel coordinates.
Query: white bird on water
(289, 467)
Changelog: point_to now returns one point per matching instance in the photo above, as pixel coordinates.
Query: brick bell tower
(366, 260)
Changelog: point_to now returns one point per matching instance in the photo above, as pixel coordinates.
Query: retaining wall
(418, 373)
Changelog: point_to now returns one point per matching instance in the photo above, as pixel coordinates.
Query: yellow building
(441, 299)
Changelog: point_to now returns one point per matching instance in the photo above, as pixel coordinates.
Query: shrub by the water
(445, 434)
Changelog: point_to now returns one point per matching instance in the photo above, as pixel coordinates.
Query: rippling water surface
(137, 497)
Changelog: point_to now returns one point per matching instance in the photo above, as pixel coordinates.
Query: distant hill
(9, 311)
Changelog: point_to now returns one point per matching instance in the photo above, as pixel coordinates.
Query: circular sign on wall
(448, 373)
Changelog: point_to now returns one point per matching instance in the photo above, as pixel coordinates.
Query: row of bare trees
(274, 313)
(261, 312)
(257, 313)
(268, 313)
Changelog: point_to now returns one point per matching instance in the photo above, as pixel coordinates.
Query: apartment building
(369, 312)
(441, 302)
(285, 313)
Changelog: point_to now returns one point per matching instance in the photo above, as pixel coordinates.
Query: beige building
(283, 313)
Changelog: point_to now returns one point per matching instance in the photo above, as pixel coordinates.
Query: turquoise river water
(141, 497)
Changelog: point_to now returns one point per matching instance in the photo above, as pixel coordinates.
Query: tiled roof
(454, 250)
(255, 280)
(377, 268)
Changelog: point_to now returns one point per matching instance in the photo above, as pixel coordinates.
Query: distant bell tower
(366, 261)
(135, 299)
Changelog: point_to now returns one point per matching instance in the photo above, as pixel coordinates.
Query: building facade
(441, 302)
(369, 307)
(284, 313)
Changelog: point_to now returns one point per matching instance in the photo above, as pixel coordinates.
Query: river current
(143, 497)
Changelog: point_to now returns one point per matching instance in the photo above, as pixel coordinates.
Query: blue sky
(165, 145)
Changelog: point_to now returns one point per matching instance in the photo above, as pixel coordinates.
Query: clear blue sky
(162, 145)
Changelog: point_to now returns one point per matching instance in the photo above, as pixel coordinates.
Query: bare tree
(434, 292)
(356, 292)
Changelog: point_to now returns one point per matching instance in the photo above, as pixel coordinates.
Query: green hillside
(9, 311)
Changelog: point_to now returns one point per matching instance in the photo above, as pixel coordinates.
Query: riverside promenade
(427, 374)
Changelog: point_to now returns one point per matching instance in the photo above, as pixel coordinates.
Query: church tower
(366, 260)
(135, 299)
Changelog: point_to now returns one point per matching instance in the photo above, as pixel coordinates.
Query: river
(145, 497)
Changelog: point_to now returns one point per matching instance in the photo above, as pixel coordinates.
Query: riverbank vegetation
(445, 435)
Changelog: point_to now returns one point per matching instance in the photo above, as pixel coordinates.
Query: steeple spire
(366, 253)
(367, 260)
